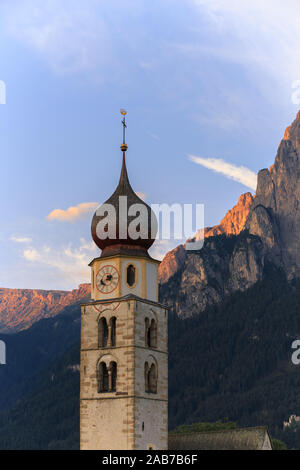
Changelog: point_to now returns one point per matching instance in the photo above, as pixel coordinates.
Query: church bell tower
(124, 343)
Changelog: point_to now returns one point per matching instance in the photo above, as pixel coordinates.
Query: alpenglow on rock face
(20, 308)
(275, 213)
(232, 224)
(234, 257)
(235, 219)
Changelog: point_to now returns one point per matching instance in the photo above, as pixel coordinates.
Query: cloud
(64, 33)
(162, 247)
(73, 212)
(264, 33)
(237, 173)
(142, 196)
(73, 37)
(21, 239)
(69, 262)
(67, 266)
(31, 254)
(153, 136)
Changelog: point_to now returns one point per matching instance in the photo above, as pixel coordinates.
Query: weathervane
(123, 146)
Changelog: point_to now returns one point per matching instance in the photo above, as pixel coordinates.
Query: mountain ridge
(271, 236)
(257, 231)
(232, 224)
(20, 308)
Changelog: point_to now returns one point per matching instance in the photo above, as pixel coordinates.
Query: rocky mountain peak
(235, 219)
(257, 233)
(292, 132)
(232, 224)
(275, 212)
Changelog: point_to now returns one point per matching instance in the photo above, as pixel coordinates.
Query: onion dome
(124, 224)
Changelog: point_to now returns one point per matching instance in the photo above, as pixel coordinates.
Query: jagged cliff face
(275, 213)
(224, 265)
(235, 219)
(230, 260)
(232, 224)
(172, 262)
(20, 308)
(258, 232)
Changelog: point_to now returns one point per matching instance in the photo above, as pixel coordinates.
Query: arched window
(146, 376)
(113, 376)
(103, 378)
(130, 275)
(103, 333)
(150, 378)
(151, 333)
(107, 377)
(112, 324)
(147, 332)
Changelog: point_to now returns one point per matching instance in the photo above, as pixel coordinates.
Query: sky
(209, 87)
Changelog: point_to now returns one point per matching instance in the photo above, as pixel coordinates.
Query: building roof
(124, 297)
(120, 243)
(233, 439)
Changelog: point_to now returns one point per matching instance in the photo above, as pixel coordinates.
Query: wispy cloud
(72, 37)
(21, 239)
(153, 136)
(240, 174)
(73, 212)
(47, 25)
(265, 33)
(71, 263)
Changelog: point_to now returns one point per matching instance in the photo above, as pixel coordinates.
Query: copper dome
(124, 242)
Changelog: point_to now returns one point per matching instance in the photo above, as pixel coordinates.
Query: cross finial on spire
(123, 146)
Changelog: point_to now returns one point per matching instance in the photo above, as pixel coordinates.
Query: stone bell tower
(124, 344)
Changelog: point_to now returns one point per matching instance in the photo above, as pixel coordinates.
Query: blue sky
(207, 80)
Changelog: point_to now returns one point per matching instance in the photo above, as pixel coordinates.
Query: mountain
(232, 224)
(237, 260)
(232, 361)
(49, 417)
(20, 308)
(32, 351)
(235, 219)
(172, 262)
(234, 314)
(275, 213)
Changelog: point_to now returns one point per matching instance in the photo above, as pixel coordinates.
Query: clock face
(107, 279)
